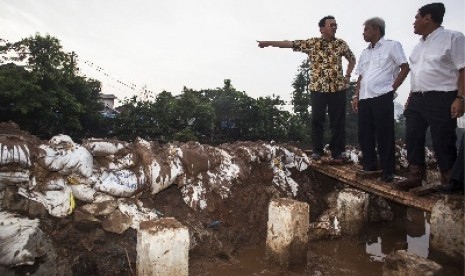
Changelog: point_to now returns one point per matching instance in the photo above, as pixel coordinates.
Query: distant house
(108, 101)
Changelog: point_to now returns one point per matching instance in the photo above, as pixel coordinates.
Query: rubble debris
(402, 262)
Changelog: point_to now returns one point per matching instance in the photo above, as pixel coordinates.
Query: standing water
(357, 255)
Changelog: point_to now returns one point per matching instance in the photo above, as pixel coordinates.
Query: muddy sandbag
(21, 240)
(105, 147)
(102, 208)
(162, 165)
(14, 151)
(14, 177)
(83, 192)
(123, 183)
(62, 155)
(15, 159)
(137, 213)
(112, 155)
(59, 203)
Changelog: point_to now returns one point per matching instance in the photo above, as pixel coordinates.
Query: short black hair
(436, 10)
(323, 20)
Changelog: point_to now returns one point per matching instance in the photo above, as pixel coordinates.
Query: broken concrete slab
(401, 263)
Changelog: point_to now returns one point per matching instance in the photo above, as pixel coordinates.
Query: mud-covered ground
(226, 217)
(217, 233)
(72, 240)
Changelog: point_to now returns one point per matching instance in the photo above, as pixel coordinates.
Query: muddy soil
(217, 233)
(230, 231)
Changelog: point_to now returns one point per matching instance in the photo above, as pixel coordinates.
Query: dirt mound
(89, 199)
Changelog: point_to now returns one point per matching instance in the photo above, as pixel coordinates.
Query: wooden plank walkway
(347, 175)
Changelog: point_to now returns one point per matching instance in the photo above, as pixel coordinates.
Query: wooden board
(347, 175)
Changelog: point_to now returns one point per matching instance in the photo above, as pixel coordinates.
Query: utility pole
(73, 61)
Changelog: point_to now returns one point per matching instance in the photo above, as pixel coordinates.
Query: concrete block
(401, 263)
(287, 235)
(448, 228)
(352, 210)
(162, 248)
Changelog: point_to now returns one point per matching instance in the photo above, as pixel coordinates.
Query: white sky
(169, 44)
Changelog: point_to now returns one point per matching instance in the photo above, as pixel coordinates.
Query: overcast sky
(166, 45)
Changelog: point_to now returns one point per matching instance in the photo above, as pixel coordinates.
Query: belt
(422, 93)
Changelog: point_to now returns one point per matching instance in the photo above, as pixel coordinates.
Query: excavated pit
(226, 219)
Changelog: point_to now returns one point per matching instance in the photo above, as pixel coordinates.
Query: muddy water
(359, 255)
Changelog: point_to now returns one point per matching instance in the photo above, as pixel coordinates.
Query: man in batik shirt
(327, 84)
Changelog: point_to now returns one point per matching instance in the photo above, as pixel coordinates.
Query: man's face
(419, 25)
(369, 33)
(329, 29)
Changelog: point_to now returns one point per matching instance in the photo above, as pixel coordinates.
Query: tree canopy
(42, 91)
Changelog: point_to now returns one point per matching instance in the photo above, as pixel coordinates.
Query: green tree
(232, 109)
(45, 96)
(195, 112)
(301, 95)
(351, 117)
(136, 120)
(165, 113)
(300, 127)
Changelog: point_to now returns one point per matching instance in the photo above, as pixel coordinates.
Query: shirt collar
(432, 34)
(380, 42)
(331, 40)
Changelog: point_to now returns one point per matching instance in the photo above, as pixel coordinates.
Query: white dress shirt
(435, 61)
(379, 67)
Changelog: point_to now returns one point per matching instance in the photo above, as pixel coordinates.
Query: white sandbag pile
(15, 159)
(101, 181)
(21, 240)
(65, 171)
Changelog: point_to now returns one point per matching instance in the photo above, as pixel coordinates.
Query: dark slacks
(431, 109)
(457, 175)
(335, 103)
(376, 132)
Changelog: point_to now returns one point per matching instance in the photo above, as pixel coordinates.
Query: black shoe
(339, 160)
(316, 156)
(449, 189)
(387, 177)
(368, 174)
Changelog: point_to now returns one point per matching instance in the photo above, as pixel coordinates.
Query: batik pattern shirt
(325, 58)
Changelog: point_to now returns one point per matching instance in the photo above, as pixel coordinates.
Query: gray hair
(376, 22)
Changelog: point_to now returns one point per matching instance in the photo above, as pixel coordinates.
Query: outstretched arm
(279, 44)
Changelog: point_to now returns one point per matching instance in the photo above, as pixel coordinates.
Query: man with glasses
(327, 84)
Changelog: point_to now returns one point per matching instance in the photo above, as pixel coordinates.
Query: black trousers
(431, 109)
(457, 175)
(376, 132)
(335, 103)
